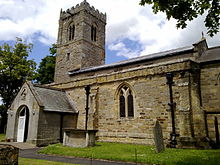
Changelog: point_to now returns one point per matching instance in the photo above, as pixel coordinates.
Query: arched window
(130, 105)
(93, 33)
(126, 102)
(71, 32)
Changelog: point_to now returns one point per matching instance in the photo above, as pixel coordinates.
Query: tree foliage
(3, 118)
(45, 72)
(15, 68)
(187, 10)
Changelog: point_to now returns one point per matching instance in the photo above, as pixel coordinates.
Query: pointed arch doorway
(23, 120)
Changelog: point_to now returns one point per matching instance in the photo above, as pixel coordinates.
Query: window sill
(126, 119)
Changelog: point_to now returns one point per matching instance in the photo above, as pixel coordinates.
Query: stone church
(126, 98)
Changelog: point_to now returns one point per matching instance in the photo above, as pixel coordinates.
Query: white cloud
(123, 50)
(126, 20)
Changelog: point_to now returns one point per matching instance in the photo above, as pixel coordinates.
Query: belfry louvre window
(71, 32)
(126, 102)
(93, 33)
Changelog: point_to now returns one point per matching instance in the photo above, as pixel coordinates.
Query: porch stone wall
(24, 98)
(48, 128)
(50, 125)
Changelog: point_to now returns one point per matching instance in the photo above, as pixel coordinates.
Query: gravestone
(158, 137)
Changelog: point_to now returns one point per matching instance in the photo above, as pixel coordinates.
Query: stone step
(20, 145)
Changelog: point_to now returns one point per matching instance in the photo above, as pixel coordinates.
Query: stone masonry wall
(150, 103)
(80, 52)
(64, 63)
(211, 125)
(92, 55)
(210, 93)
(210, 87)
(48, 128)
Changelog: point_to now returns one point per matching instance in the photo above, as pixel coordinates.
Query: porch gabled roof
(52, 99)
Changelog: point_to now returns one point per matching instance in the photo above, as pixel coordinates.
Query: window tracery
(126, 102)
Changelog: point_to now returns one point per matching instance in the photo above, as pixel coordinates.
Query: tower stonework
(81, 40)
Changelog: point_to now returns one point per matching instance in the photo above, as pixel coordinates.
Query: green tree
(15, 68)
(45, 72)
(187, 10)
(3, 118)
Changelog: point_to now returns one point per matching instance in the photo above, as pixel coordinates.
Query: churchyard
(138, 153)
(129, 153)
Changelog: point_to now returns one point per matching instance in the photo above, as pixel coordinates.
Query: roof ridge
(214, 47)
(152, 54)
(48, 87)
(148, 57)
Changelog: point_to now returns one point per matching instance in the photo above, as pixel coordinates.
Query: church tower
(81, 40)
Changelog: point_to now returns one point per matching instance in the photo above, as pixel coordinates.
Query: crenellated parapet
(83, 6)
(81, 40)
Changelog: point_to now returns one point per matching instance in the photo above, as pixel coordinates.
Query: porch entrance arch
(23, 120)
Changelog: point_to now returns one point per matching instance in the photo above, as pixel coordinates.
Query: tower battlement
(81, 40)
(80, 7)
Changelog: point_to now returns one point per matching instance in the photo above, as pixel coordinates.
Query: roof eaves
(58, 110)
(210, 61)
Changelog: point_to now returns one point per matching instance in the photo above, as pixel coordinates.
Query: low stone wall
(8, 154)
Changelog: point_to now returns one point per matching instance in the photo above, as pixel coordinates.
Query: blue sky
(131, 31)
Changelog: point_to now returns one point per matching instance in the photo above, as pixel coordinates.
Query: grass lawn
(2, 137)
(24, 161)
(145, 154)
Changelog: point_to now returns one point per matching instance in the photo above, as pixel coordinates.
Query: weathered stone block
(8, 155)
(158, 137)
(79, 138)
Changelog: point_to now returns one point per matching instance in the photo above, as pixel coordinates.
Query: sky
(132, 30)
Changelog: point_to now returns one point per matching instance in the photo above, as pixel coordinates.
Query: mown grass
(2, 137)
(24, 161)
(145, 154)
